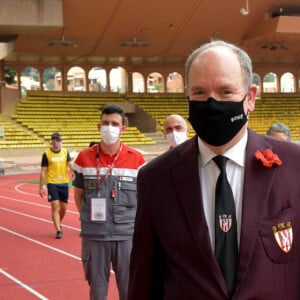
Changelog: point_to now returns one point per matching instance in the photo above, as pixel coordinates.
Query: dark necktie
(226, 249)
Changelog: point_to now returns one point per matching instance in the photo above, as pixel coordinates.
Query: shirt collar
(236, 153)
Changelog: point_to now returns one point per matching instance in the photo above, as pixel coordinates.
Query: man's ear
(251, 96)
(123, 128)
(99, 126)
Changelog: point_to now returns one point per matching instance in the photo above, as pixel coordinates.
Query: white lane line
(44, 245)
(40, 243)
(23, 285)
(36, 218)
(17, 189)
(35, 204)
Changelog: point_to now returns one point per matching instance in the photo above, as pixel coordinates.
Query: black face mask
(217, 122)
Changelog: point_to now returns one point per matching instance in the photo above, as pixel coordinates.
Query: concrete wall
(9, 99)
(30, 16)
(142, 120)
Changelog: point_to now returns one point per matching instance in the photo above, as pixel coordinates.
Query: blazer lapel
(257, 182)
(186, 174)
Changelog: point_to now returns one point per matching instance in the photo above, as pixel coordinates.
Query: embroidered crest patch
(225, 222)
(283, 234)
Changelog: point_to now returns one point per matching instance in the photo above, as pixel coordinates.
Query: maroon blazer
(172, 256)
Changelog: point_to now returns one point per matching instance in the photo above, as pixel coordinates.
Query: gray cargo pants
(97, 259)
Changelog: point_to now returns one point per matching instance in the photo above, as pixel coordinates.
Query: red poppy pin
(268, 158)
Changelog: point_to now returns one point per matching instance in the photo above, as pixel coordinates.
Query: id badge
(98, 209)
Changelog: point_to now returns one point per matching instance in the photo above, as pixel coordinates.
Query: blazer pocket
(277, 235)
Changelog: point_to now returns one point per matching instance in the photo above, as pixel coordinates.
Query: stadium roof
(142, 33)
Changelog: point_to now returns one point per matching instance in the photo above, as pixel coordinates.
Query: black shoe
(59, 234)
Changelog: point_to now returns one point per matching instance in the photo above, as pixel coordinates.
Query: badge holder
(98, 209)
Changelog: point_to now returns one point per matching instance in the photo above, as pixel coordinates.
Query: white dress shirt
(209, 173)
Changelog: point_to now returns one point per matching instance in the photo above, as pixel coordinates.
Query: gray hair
(245, 60)
(280, 127)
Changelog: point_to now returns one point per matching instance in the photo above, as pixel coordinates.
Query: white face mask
(110, 134)
(176, 137)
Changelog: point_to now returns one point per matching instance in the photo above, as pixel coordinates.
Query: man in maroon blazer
(173, 255)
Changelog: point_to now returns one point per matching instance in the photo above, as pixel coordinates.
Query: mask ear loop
(247, 114)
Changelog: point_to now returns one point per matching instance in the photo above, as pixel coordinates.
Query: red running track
(33, 264)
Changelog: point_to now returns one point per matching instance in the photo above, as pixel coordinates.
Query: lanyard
(109, 169)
